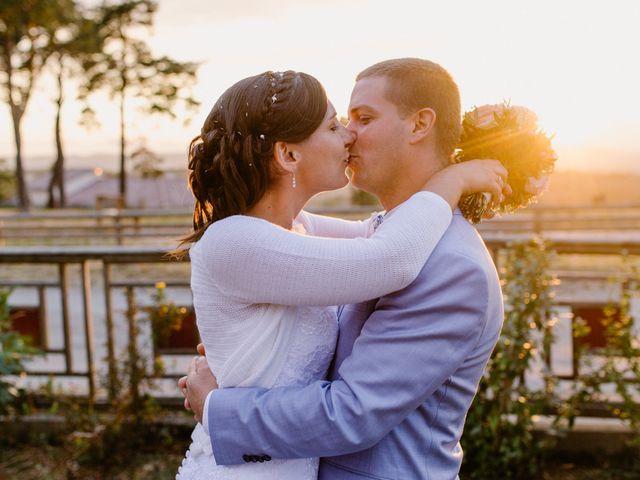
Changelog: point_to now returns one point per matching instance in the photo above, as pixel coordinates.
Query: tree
(146, 163)
(74, 39)
(6, 182)
(126, 67)
(25, 27)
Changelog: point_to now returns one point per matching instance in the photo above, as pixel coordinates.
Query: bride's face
(324, 156)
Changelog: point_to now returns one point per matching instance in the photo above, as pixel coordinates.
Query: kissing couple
(336, 349)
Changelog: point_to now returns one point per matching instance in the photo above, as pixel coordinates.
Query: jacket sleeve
(409, 346)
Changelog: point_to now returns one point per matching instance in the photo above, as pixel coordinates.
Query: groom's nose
(351, 127)
(351, 138)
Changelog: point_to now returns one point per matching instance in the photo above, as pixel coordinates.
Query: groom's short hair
(415, 83)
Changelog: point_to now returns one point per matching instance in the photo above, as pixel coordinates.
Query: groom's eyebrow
(357, 108)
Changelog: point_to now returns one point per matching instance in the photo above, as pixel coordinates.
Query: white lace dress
(260, 294)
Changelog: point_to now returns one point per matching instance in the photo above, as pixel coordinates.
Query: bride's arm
(325, 226)
(255, 261)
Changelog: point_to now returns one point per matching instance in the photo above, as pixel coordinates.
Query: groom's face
(378, 152)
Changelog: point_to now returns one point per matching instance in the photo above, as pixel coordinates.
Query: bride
(264, 272)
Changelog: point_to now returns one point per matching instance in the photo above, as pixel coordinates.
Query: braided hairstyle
(231, 161)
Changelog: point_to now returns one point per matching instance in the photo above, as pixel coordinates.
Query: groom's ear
(286, 157)
(423, 123)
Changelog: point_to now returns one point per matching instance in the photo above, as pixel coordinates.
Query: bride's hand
(461, 179)
(199, 382)
(182, 381)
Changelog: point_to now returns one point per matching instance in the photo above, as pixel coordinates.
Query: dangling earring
(293, 181)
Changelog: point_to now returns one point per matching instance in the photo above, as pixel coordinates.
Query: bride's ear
(286, 157)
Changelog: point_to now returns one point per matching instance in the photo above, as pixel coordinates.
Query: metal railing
(95, 275)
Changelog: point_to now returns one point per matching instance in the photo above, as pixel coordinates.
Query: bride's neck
(280, 205)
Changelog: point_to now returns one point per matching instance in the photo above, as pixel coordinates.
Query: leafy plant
(14, 349)
(614, 367)
(498, 440)
(165, 316)
(132, 424)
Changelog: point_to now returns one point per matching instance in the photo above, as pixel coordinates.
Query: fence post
(111, 355)
(88, 330)
(135, 373)
(64, 292)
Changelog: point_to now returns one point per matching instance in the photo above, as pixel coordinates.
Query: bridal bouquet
(510, 134)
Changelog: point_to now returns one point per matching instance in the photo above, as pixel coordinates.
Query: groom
(407, 365)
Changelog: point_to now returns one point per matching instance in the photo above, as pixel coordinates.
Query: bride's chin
(330, 184)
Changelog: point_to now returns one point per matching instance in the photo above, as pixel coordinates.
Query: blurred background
(570, 62)
(99, 103)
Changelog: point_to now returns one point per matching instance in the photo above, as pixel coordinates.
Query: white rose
(536, 186)
(484, 116)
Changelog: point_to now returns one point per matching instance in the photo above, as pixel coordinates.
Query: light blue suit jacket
(406, 369)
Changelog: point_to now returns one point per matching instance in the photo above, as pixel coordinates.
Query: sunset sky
(573, 62)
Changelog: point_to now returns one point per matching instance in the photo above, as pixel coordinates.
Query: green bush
(498, 440)
(619, 361)
(133, 424)
(14, 349)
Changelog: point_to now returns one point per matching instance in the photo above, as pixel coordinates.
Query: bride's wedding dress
(311, 348)
(259, 293)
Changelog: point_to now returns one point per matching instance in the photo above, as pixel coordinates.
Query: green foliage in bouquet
(509, 134)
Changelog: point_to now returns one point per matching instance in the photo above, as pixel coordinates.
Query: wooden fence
(76, 273)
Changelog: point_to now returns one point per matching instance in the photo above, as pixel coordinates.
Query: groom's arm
(408, 347)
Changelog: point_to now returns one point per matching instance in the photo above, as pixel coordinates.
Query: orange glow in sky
(573, 62)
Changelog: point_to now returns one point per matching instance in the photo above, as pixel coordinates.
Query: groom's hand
(197, 385)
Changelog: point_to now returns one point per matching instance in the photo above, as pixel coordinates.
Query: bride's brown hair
(231, 161)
